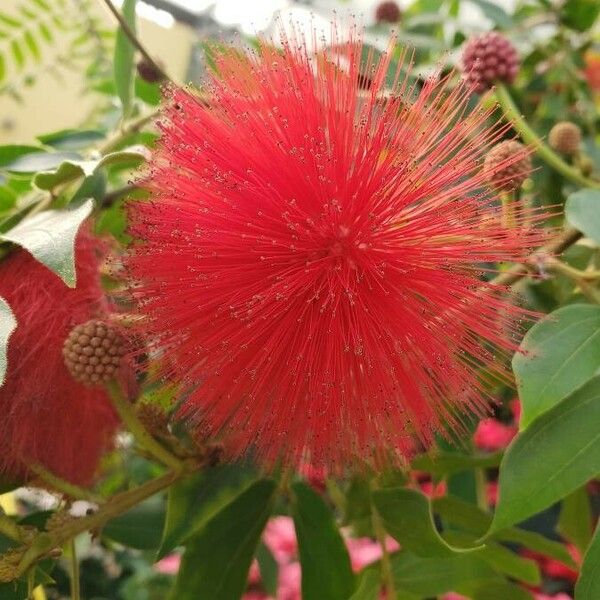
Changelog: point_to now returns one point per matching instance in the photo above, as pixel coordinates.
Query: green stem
(75, 579)
(65, 487)
(587, 289)
(139, 432)
(131, 36)
(9, 528)
(529, 136)
(481, 489)
(30, 584)
(116, 506)
(386, 565)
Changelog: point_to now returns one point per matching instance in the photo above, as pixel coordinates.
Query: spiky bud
(500, 171)
(565, 138)
(388, 12)
(488, 58)
(93, 352)
(153, 417)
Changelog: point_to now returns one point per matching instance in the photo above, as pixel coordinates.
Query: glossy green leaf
(140, 527)
(124, 68)
(556, 454)
(575, 520)
(560, 353)
(581, 211)
(50, 237)
(10, 152)
(588, 584)
(406, 516)
(195, 500)
(326, 569)
(216, 560)
(8, 323)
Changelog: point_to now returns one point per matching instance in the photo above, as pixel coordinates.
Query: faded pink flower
(280, 537)
(493, 435)
(169, 565)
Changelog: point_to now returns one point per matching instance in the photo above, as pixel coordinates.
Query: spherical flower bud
(565, 138)
(507, 165)
(388, 12)
(488, 58)
(153, 417)
(93, 352)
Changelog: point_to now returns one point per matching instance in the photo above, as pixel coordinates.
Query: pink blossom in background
(280, 537)
(169, 565)
(364, 551)
(515, 406)
(433, 490)
(492, 435)
(560, 596)
(289, 582)
(453, 596)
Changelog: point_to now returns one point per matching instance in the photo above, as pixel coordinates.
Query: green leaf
(580, 14)
(495, 13)
(70, 170)
(10, 152)
(448, 463)
(582, 211)
(407, 517)
(556, 454)
(588, 584)
(140, 527)
(269, 569)
(472, 519)
(216, 560)
(72, 139)
(560, 353)
(50, 237)
(196, 500)
(432, 576)
(500, 590)
(18, 54)
(123, 61)
(326, 570)
(32, 45)
(32, 162)
(368, 585)
(575, 520)
(8, 324)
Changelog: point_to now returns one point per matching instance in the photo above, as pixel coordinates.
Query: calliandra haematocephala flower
(309, 266)
(49, 418)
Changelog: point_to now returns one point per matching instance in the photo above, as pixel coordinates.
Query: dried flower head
(488, 58)
(309, 265)
(47, 416)
(565, 137)
(507, 165)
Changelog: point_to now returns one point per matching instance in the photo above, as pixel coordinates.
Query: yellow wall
(51, 104)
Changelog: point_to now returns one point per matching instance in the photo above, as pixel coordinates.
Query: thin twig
(64, 487)
(135, 40)
(558, 245)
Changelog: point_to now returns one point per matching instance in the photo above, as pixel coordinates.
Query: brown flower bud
(93, 352)
(153, 418)
(507, 175)
(9, 562)
(148, 71)
(565, 138)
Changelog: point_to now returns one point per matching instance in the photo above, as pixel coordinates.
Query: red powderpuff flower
(310, 263)
(48, 417)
